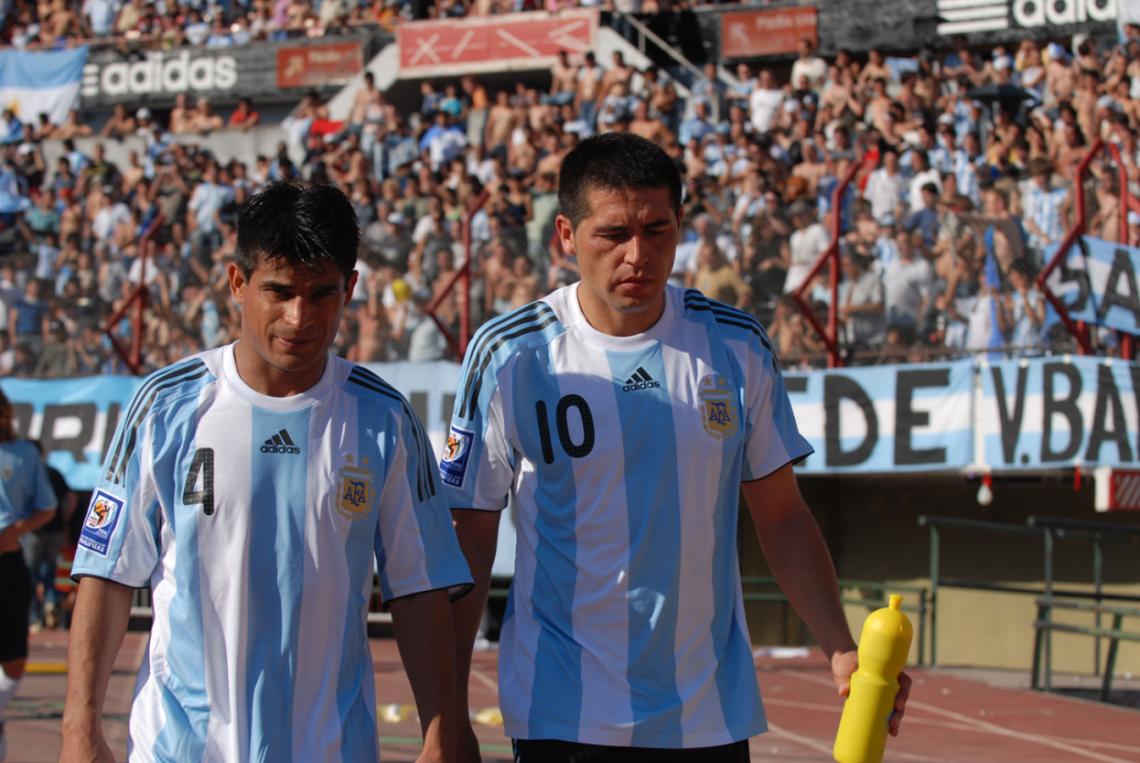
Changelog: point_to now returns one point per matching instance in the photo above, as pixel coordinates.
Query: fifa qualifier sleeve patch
(457, 451)
(102, 519)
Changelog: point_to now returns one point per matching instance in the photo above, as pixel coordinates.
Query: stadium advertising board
(263, 71)
(317, 65)
(858, 25)
(1097, 284)
(745, 34)
(515, 41)
(1039, 413)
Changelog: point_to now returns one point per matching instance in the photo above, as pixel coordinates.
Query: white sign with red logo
(517, 41)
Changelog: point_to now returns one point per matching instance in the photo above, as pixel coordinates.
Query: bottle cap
(895, 601)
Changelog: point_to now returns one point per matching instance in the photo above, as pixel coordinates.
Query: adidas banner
(1039, 413)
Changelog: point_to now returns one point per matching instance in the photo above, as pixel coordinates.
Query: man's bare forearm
(426, 641)
(102, 609)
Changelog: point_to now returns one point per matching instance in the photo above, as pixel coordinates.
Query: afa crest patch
(356, 491)
(453, 461)
(102, 518)
(719, 411)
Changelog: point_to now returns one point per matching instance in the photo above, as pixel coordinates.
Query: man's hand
(844, 665)
(79, 748)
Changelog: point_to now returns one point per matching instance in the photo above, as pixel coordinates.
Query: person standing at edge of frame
(27, 502)
(250, 487)
(625, 416)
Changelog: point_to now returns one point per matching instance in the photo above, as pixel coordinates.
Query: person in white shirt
(809, 65)
(809, 240)
(885, 188)
(765, 102)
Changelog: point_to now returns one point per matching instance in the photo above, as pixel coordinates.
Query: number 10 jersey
(255, 520)
(625, 624)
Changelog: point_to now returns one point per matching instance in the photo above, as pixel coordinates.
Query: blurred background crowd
(964, 177)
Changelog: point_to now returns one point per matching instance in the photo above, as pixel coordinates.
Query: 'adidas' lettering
(640, 380)
(280, 443)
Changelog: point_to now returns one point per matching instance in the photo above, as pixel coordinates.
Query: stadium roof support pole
(463, 273)
(137, 300)
(830, 255)
(1080, 225)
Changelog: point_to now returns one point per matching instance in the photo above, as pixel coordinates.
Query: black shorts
(15, 598)
(557, 751)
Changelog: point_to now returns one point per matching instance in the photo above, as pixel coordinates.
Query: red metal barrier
(830, 255)
(137, 300)
(1079, 228)
(462, 273)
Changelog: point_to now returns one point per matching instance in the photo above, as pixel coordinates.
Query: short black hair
(614, 160)
(304, 225)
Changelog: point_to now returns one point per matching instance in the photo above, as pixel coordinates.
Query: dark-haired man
(27, 503)
(250, 487)
(623, 415)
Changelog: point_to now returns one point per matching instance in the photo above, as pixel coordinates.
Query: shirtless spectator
(181, 116)
(72, 127)
(619, 72)
(120, 125)
(648, 127)
(563, 80)
(500, 124)
(203, 119)
(589, 89)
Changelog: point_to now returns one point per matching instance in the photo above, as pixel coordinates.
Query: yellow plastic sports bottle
(883, 649)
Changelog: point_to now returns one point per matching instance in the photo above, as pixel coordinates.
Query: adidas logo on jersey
(280, 443)
(640, 380)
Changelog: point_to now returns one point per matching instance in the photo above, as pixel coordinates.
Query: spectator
(244, 117)
(907, 284)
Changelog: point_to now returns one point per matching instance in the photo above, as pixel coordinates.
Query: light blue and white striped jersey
(255, 521)
(24, 484)
(625, 623)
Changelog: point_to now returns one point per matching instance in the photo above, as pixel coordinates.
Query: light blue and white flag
(41, 83)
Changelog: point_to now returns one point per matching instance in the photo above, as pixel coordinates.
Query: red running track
(948, 719)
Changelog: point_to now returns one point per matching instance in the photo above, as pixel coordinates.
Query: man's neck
(268, 380)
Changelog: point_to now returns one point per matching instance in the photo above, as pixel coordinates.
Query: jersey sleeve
(773, 439)
(477, 464)
(119, 539)
(415, 544)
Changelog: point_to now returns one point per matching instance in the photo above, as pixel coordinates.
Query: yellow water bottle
(883, 649)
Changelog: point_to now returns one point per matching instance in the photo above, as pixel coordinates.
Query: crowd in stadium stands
(965, 179)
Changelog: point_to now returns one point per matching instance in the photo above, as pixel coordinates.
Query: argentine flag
(36, 83)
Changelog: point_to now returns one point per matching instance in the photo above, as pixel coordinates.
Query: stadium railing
(1045, 625)
(1048, 530)
(862, 593)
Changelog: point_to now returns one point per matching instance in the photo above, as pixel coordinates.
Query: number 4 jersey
(255, 520)
(625, 624)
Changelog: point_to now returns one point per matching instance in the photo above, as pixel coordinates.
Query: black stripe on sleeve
(476, 378)
(424, 478)
(118, 470)
(488, 344)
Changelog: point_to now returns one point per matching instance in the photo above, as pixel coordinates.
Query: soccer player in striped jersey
(251, 487)
(27, 502)
(624, 416)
